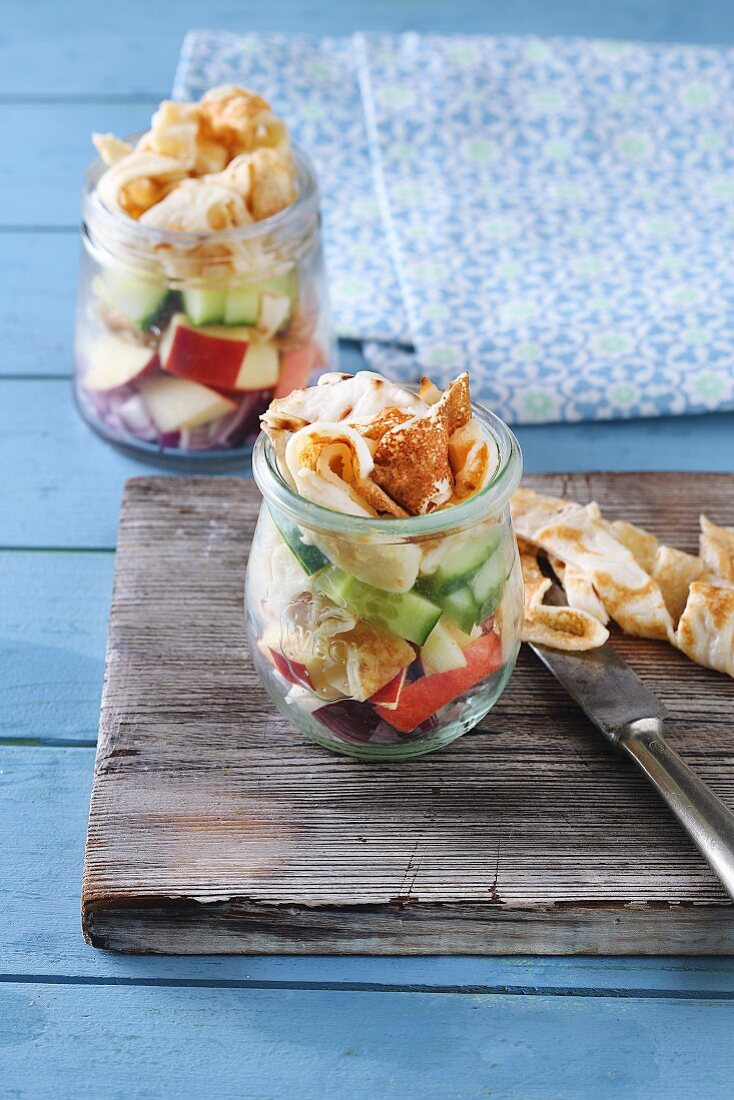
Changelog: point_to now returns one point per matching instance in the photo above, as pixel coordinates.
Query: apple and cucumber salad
(193, 369)
(422, 649)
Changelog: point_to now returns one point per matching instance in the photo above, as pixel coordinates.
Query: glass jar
(385, 638)
(183, 339)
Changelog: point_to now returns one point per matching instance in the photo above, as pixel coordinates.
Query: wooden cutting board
(214, 827)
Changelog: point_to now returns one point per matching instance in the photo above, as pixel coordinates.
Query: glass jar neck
(260, 249)
(489, 501)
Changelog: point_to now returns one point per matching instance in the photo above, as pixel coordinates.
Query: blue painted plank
(44, 797)
(260, 1043)
(705, 441)
(53, 630)
(60, 486)
(37, 295)
(78, 62)
(44, 189)
(45, 51)
(666, 443)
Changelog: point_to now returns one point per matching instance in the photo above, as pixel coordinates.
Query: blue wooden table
(73, 1021)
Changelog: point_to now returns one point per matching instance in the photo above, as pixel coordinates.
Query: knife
(631, 719)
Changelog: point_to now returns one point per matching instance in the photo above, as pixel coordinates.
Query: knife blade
(604, 686)
(631, 718)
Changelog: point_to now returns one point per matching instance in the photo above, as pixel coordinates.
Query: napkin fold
(556, 215)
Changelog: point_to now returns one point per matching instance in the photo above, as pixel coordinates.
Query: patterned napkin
(560, 212)
(313, 83)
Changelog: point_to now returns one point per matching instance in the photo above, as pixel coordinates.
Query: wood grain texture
(60, 487)
(44, 800)
(214, 827)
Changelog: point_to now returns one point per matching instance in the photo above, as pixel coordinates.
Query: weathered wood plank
(44, 799)
(154, 1042)
(215, 828)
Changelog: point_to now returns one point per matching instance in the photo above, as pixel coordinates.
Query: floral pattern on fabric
(562, 215)
(312, 83)
(555, 215)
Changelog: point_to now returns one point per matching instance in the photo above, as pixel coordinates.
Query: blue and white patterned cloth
(560, 213)
(312, 82)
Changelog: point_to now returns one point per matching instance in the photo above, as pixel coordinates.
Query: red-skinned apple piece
(422, 698)
(298, 366)
(227, 357)
(114, 361)
(292, 671)
(389, 695)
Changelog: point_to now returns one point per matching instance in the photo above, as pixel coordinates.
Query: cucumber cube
(242, 305)
(463, 563)
(407, 614)
(204, 307)
(286, 284)
(486, 585)
(309, 557)
(461, 608)
(141, 302)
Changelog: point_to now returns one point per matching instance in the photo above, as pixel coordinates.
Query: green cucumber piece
(141, 302)
(204, 307)
(242, 306)
(441, 652)
(407, 614)
(286, 284)
(462, 563)
(309, 557)
(487, 584)
(461, 608)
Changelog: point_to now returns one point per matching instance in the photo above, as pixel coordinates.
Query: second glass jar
(183, 339)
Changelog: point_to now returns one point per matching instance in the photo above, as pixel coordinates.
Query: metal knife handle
(708, 822)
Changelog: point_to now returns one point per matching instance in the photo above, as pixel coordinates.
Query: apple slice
(177, 403)
(223, 356)
(114, 362)
(389, 695)
(298, 366)
(210, 354)
(260, 368)
(274, 312)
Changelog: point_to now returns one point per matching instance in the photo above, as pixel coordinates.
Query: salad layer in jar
(384, 593)
(203, 293)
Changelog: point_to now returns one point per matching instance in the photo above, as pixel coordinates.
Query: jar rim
(306, 203)
(488, 501)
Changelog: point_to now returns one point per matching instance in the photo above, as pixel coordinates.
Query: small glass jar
(183, 339)
(385, 638)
